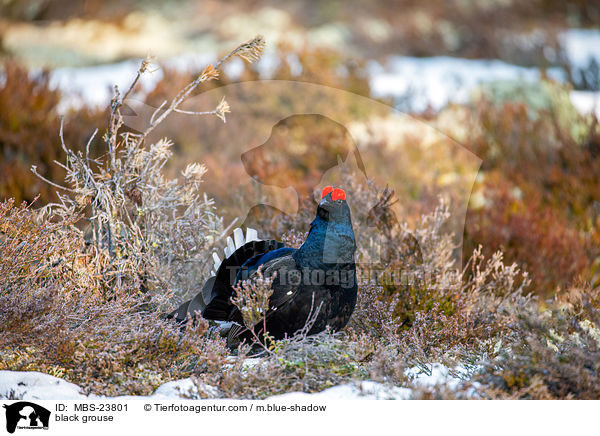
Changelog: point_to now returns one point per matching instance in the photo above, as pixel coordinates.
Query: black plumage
(316, 281)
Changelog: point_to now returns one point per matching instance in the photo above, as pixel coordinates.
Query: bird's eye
(326, 190)
(338, 194)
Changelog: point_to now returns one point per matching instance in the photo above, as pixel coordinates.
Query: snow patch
(37, 386)
(450, 378)
(437, 374)
(177, 389)
(581, 46)
(436, 81)
(586, 102)
(419, 83)
(94, 86)
(366, 390)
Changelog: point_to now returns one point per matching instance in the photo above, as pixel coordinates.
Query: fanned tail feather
(233, 245)
(213, 301)
(218, 306)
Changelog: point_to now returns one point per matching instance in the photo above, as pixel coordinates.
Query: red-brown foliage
(29, 126)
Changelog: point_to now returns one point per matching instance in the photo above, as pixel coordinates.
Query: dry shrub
(57, 317)
(294, 238)
(34, 258)
(538, 199)
(478, 318)
(308, 365)
(441, 314)
(104, 288)
(438, 312)
(252, 298)
(105, 298)
(29, 124)
(481, 321)
(157, 232)
(555, 356)
(536, 236)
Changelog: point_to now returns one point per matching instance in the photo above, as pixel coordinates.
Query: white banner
(230, 417)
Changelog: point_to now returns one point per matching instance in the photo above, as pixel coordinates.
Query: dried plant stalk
(155, 230)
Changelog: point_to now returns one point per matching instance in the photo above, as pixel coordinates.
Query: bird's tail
(213, 301)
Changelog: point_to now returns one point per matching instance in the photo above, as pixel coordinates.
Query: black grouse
(316, 281)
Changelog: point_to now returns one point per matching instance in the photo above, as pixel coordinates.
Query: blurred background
(515, 83)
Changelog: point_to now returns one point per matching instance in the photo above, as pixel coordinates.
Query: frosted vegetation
(127, 222)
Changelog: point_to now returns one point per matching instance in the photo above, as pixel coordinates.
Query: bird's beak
(326, 202)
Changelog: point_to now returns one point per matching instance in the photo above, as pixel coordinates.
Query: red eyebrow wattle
(338, 194)
(326, 190)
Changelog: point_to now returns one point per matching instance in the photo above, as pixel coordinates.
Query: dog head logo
(300, 150)
(306, 153)
(271, 157)
(24, 414)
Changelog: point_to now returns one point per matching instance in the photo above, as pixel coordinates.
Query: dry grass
(58, 315)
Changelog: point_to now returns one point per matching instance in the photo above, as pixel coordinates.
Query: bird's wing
(285, 288)
(286, 282)
(261, 261)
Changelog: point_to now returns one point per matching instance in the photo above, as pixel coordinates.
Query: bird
(314, 286)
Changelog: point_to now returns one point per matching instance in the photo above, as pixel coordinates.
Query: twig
(301, 334)
(87, 146)
(34, 171)
(180, 111)
(157, 111)
(249, 51)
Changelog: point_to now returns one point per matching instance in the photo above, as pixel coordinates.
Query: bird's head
(333, 207)
(331, 237)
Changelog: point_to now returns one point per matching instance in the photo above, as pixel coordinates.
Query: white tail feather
(251, 235)
(217, 260)
(238, 234)
(230, 247)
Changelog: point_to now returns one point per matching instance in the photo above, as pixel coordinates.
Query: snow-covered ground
(38, 386)
(437, 81)
(33, 385)
(586, 102)
(581, 46)
(415, 83)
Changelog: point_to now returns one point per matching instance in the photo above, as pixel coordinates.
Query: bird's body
(316, 282)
